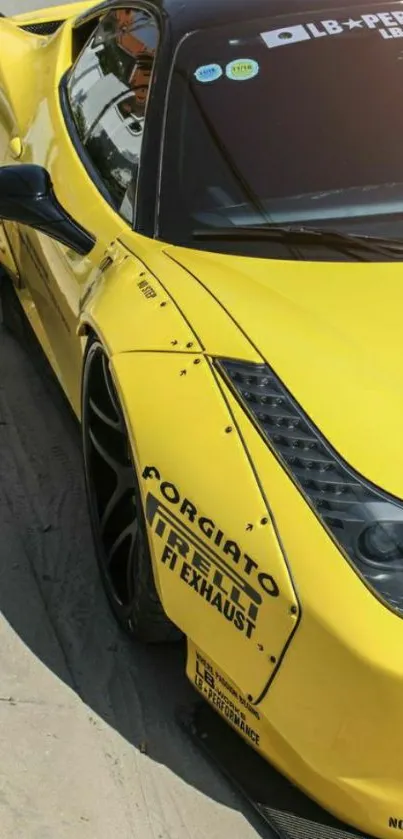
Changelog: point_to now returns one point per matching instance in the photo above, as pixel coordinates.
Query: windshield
(291, 120)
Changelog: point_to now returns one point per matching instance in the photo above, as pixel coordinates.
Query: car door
(90, 141)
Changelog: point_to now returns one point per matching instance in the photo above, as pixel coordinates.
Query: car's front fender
(218, 564)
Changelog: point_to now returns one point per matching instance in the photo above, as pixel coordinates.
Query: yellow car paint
(57, 12)
(318, 693)
(137, 311)
(217, 333)
(46, 142)
(339, 735)
(347, 366)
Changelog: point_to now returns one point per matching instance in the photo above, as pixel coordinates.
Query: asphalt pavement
(89, 745)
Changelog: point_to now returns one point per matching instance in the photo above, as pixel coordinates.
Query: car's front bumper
(332, 718)
(325, 694)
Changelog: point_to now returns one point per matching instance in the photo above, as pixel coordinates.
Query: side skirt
(284, 809)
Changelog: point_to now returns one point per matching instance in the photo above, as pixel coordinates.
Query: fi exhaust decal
(208, 562)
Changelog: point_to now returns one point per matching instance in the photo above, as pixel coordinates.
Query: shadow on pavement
(50, 569)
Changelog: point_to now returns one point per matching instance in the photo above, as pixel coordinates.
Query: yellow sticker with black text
(242, 69)
(223, 695)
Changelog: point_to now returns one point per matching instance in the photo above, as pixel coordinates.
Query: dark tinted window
(108, 92)
(290, 120)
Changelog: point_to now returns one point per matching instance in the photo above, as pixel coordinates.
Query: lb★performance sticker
(208, 73)
(224, 696)
(242, 69)
(283, 37)
(387, 24)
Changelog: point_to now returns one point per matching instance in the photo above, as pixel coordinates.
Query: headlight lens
(364, 521)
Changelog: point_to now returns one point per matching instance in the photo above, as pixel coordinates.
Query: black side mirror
(27, 197)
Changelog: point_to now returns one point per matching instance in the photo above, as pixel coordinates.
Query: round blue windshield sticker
(208, 73)
(242, 69)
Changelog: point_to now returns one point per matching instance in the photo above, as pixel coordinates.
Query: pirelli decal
(212, 577)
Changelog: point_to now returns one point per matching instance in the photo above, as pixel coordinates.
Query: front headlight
(363, 520)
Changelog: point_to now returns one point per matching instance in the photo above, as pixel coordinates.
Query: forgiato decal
(203, 570)
(244, 596)
(211, 566)
(210, 531)
(387, 24)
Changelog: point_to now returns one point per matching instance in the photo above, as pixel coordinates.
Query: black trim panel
(285, 809)
(43, 27)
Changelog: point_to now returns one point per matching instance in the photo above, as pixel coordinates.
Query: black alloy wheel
(115, 506)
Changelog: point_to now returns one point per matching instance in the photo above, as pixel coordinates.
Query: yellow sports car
(202, 220)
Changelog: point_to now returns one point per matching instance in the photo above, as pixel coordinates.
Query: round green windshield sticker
(208, 73)
(242, 69)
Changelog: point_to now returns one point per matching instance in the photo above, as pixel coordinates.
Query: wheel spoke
(118, 468)
(112, 423)
(109, 387)
(130, 530)
(130, 565)
(120, 565)
(113, 482)
(125, 485)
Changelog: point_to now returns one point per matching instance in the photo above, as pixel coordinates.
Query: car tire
(115, 507)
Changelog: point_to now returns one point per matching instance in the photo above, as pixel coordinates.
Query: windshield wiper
(301, 235)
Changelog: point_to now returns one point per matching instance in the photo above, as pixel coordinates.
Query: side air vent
(45, 28)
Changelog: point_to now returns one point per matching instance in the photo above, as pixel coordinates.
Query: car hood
(333, 332)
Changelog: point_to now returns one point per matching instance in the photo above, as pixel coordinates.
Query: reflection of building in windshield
(115, 71)
(127, 31)
(108, 91)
